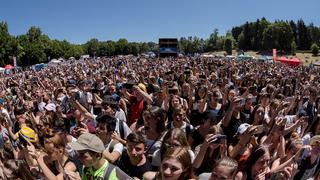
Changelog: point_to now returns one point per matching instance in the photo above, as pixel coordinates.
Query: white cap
(242, 128)
(41, 106)
(50, 107)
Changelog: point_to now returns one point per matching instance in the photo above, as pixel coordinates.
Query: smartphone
(22, 140)
(95, 91)
(306, 153)
(128, 85)
(1, 142)
(187, 72)
(202, 76)
(172, 91)
(221, 139)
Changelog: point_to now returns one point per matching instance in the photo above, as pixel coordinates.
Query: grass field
(307, 58)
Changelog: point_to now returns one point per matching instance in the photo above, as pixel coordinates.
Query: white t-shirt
(118, 147)
(121, 115)
(183, 127)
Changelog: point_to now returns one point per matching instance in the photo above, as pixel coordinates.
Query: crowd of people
(169, 119)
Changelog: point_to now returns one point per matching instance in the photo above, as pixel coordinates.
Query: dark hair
(19, 169)
(254, 157)
(313, 126)
(110, 121)
(197, 97)
(136, 138)
(160, 115)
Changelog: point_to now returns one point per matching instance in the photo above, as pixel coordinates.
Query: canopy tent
(55, 61)
(316, 63)
(266, 58)
(8, 67)
(290, 61)
(244, 57)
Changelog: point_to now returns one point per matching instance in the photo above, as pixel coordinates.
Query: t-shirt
(186, 128)
(232, 129)
(118, 147)
(204, 176)
(136, 109)
(132, 170)
(90, 174)
(121, 115)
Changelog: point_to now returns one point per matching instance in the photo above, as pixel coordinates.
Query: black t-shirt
(232, 129)
(133, 171)
(197, 138)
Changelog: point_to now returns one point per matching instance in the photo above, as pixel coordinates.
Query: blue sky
(146, 20)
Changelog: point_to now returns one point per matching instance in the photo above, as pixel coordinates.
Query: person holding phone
(213, 148)
(55, 150)
(310, 163)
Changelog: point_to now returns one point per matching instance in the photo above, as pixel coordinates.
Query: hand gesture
(115, 136)
(72, 175)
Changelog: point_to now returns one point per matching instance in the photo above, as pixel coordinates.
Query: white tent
(55, 61)
(2, 69)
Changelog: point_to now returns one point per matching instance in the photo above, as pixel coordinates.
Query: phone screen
(221, 139)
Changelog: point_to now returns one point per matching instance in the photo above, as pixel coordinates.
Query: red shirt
(136, 109)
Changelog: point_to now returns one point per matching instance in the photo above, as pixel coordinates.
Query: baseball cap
(242, 128)
(111, 100)
(71, 83)
(50, 107)
(41, 106)
(88, 141)
(1, 101)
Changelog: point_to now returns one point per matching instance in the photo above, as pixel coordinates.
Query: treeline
(36, 47)
(261, 35)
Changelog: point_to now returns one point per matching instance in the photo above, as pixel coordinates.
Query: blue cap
(1, 101)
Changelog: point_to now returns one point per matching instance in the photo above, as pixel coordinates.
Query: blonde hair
(228, 163)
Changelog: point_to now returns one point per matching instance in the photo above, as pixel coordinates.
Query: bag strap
(108, 171)
(121, 129)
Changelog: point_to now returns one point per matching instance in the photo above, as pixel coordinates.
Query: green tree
(303, 38)
(228, 45)
(92, 47)
(212, 42)
(122, 47)
(314, 49)
(4, 43)
(293, 48)
(278, 35)
(134, 48)
(241, 43)
(144, 47)
(34, 33)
